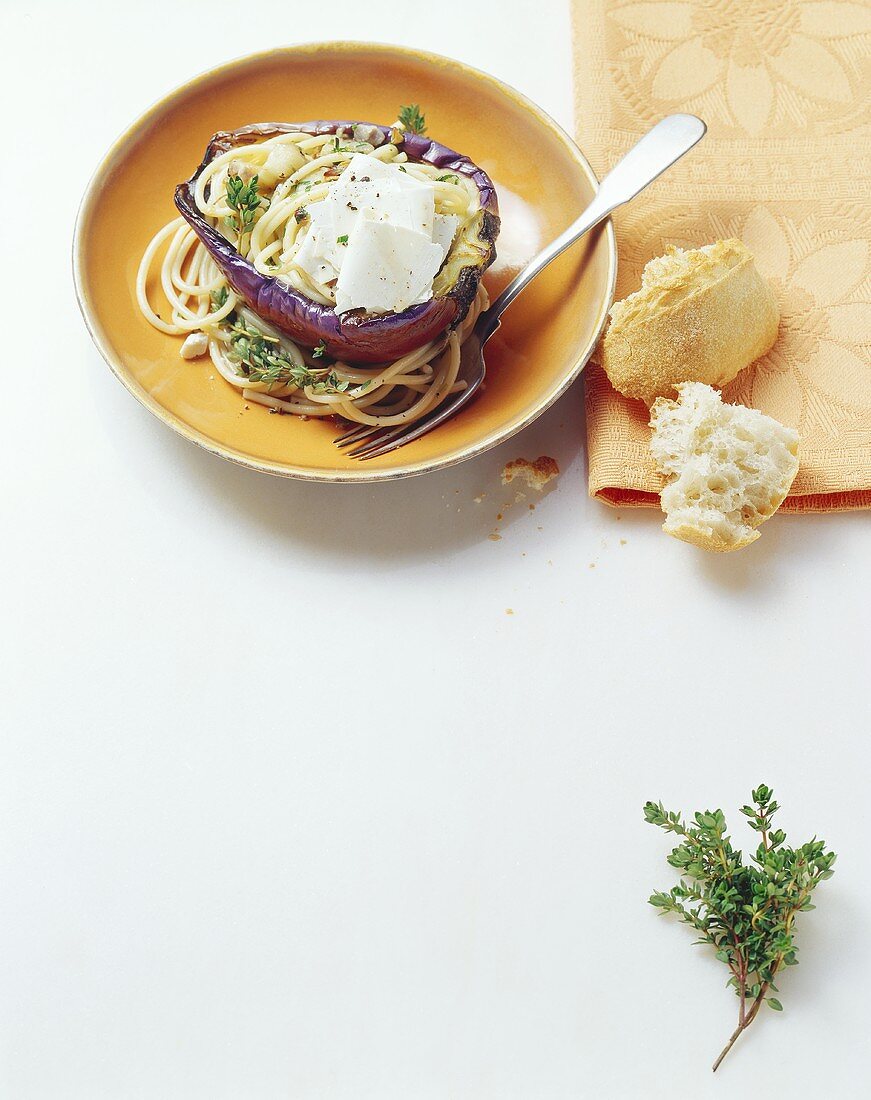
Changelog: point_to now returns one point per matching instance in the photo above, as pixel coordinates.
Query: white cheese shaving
(319, 253)
(377, 234)
(387, 268)
(444, 231)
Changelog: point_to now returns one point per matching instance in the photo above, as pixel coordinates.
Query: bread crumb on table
(536, 474)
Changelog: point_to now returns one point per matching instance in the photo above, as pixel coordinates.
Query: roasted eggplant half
(356, 337)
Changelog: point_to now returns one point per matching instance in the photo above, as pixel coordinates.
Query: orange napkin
(784, 88)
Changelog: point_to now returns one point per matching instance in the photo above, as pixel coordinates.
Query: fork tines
(374, 441)
(355, 434)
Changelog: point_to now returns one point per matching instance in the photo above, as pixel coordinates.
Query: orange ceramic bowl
(542, 180)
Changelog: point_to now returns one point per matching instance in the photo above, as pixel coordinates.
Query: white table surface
(289, 805)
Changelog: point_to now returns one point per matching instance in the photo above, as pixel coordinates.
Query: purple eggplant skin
(351, 338)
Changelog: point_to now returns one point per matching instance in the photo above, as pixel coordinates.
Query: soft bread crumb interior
(728, 467)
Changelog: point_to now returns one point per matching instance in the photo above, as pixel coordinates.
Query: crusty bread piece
(536, 474)
(728, 467)
(700, 316)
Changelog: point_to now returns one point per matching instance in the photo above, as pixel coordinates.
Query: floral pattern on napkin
(785, 167)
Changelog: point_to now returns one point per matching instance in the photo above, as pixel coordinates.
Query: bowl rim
(363, 474)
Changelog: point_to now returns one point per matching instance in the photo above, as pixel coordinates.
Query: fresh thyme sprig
(219, 298)
(243, 200)
(411, 119)
(746, 913)
(262, 359)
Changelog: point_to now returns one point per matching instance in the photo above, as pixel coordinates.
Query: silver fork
(646, 161)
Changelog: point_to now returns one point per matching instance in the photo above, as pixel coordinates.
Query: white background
(290, 806)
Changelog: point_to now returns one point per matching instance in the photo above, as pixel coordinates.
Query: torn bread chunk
(536, 474)
(701, 315)
(727, 468)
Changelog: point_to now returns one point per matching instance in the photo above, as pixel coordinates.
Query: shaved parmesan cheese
(378, 234)
(444, 230)
(318, 255)
(388, 267)
(361, 164)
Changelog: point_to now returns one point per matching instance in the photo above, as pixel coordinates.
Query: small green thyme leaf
(412, 120)
(261, 358)
(343, 239)
(319, 351)
(243, 200)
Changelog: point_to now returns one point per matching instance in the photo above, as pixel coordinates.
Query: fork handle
(646, 161)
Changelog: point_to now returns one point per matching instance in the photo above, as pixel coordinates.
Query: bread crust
(708, 540)
(536, 474)
(705, 322)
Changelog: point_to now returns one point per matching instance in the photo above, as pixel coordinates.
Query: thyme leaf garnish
(219, 298)
(262, 359)
(412, 120)
(243, 200)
